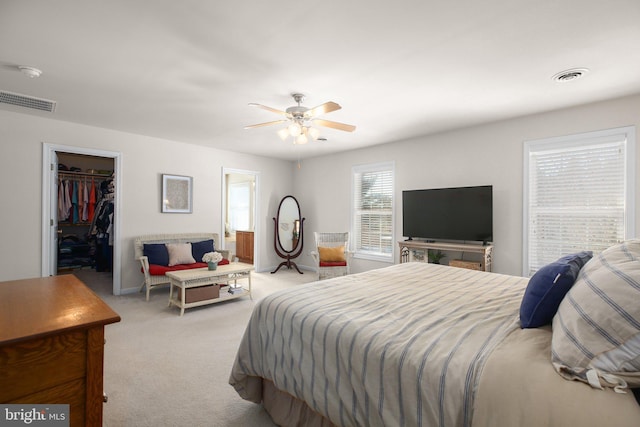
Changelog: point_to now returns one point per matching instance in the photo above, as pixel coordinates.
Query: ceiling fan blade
(335, 125)
(265, 124)
(264, 107)
(327, 107)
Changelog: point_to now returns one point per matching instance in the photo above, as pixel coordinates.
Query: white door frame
(49, 171)
(256, 213)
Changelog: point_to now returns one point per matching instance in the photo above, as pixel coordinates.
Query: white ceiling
(186, 70)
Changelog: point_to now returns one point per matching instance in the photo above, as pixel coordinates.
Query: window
(239, 206)
(372, 211)
(578, 194)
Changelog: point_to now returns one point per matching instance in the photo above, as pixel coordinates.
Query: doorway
(240, 201)
(81, 238)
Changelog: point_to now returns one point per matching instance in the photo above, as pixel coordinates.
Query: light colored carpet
(165, 370)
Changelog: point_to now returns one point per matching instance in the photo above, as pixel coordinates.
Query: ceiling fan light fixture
(313, 132)
(283, 134)
(300, 119)
(294, 129)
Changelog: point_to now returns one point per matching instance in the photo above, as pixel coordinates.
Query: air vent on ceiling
(27, 101)
(570, 75)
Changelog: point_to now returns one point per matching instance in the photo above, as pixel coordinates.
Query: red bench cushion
(333, 263)
(159, 270)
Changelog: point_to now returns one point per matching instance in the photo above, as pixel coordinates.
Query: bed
(412, 344)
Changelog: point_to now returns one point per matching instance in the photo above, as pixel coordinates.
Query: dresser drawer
(71, 393)
(31, 366)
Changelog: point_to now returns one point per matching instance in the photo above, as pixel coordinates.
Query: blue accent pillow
(581, 258)
(198, 249)
(157, 253)
(547, 287)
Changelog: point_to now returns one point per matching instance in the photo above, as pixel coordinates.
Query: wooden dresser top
(38, 307)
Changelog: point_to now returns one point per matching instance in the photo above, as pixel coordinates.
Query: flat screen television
(463, 213)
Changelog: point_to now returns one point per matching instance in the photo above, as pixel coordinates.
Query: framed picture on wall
(177, 194)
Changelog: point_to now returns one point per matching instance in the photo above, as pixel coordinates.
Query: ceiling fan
(301, 118)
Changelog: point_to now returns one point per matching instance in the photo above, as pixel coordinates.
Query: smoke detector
(569, 75)
(30, 71)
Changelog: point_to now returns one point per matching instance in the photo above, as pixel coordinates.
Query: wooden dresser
(52, 345)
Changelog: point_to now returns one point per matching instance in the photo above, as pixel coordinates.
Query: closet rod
(81, 174)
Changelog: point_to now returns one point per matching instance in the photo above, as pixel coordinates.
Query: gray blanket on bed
(399, 346)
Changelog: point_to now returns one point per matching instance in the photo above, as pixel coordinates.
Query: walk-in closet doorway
(81, 236)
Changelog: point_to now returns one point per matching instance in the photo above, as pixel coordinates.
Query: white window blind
(576, 195)
(372, 213)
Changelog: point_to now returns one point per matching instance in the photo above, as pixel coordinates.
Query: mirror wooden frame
(297, 237)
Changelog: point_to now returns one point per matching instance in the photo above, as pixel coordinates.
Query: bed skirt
(287, 411)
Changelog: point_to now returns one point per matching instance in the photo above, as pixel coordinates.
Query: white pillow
(596, 331)
(180, 253)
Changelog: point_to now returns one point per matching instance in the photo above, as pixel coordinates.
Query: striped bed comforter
(399, 346)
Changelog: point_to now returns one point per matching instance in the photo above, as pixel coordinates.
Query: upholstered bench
(160, 253)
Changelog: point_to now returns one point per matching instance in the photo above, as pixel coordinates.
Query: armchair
(332, 255)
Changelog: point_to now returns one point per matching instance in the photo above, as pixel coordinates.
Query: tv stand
(416, 250)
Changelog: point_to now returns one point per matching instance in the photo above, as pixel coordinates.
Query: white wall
(144, 159)
(488, 154)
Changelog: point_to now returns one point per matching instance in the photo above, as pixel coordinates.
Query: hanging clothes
(85, 201)
(67, 200)
(78, 198)
(74, 202)
(92, 200)
(102, 230)
(61, 201)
